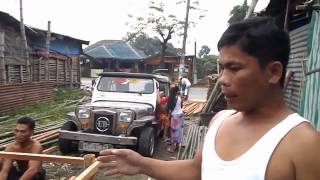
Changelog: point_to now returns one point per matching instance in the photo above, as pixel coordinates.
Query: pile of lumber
(192, 107)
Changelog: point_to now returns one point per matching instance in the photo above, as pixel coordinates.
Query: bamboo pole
(89, 172)
(42, 157)
(50, 150)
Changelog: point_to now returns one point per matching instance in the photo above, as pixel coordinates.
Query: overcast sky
(94, 20)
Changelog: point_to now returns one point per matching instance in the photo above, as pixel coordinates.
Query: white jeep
(122, 113)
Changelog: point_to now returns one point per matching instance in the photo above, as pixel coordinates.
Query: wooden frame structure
(90, 164)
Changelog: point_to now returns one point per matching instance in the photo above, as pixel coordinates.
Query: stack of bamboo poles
(192, 141)
(213, 98)
(192, 107)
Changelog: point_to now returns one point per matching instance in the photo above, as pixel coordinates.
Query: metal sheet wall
(310, 105)
(17, 95)
(298, 57)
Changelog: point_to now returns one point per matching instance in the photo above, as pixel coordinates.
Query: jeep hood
(137, 107)
(124, 99)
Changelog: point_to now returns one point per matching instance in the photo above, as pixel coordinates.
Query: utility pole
(24, 42)
(251, 8)
(185, 34)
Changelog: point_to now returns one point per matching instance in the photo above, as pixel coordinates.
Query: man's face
(22, 133)
(242, 81)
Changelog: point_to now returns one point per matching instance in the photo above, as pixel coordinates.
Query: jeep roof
(160, 78)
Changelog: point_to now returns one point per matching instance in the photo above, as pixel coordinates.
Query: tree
(207, 65)
(205, 50)
(151, 46)
(164, 25)
(238, 12)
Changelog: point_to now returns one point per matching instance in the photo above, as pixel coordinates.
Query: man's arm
(6, 165)
(173, 170)
(305, 155)
(128, 162)
(33, 166)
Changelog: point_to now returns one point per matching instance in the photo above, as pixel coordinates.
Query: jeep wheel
(146, 142)
(67, 146)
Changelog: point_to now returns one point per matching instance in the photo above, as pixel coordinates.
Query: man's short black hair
(260, 37)
(27, 121)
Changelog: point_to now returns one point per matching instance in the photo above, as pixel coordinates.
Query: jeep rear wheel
(146, 142)
(67, 146)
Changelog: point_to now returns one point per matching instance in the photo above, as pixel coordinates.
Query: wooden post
(21, 73)
(39, 66)
(89, 159)
(71, 72)
(79, 71)
(57, 70)
(24, 41)
(2, 62)
(65, 70)
(47, 51)
(9, 74)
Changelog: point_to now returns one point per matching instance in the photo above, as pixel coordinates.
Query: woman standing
(176, 118)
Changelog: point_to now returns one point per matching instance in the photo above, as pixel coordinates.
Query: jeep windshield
(126, 85)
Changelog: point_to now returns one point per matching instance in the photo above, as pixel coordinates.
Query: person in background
(23, 169)
(163, 115)
(185, 87)
(174, 107)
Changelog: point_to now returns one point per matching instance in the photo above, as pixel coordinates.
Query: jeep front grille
(104, 123)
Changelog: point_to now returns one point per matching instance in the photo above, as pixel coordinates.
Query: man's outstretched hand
(120, 161)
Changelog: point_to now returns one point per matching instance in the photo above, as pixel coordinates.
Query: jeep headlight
(83, 113)
(125, 117)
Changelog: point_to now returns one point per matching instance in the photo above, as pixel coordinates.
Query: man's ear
(275, 69)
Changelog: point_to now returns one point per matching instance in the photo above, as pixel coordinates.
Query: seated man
(22, 169)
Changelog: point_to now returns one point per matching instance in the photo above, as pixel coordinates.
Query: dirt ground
(61, 171)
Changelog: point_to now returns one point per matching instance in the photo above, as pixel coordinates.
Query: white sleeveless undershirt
(252, 164)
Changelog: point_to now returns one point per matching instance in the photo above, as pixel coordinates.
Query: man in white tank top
(261, 138)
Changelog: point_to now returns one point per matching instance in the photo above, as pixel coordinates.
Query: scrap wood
(192, 107)
(50, 150)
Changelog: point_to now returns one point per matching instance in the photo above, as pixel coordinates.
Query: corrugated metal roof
(10, 20)
(114, 49)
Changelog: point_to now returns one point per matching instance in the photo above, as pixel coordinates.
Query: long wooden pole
(24, 42)
(2, 62)
(47, 51)
(42, 157)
